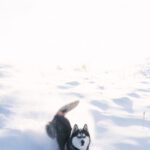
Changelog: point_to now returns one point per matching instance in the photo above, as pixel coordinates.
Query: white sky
(99, 32)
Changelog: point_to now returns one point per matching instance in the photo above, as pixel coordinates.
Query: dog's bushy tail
(68, 107)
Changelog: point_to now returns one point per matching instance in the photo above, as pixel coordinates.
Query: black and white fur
(79, 139)
(68, 138)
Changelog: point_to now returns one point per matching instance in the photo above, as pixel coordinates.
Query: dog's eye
(79, 135)
(83, 135)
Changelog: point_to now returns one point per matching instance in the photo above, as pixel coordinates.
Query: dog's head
(80, 138)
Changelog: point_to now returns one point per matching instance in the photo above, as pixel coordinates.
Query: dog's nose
(82, 142)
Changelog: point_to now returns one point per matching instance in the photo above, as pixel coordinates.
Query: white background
(97, 32)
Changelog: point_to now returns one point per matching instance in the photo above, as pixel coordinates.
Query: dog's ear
(75, 128)
(85, 127)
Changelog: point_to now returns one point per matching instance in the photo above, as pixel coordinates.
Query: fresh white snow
(55, 52)
(114, 103)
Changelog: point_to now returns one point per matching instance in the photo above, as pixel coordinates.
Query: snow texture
(114, 103)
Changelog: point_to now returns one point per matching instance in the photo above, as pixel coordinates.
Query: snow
(114, 103)
(55, 52)
(75, 32)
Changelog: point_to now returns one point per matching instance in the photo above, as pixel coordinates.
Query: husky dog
(79, 139)
(68, 138)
